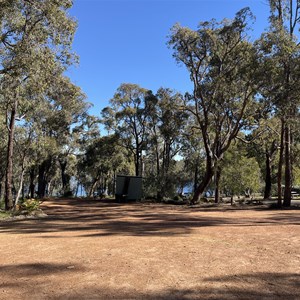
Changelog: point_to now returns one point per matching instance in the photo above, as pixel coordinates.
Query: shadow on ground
(103, 218)
(262, 286)
(244, 286)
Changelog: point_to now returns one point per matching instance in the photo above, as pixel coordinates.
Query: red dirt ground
(105, 250)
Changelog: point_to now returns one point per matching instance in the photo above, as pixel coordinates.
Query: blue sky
(124, 41)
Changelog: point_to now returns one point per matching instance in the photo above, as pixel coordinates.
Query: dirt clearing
(105, 250)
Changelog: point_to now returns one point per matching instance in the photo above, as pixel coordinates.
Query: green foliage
(35, 50)
(30, 205)
(166, 124)
(4, 215)
(296, 176)
(240, 174)
(127, 117)
(102, 160)
(237, 85)
(222, 65)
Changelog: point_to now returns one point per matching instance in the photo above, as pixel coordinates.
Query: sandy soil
(105, 250)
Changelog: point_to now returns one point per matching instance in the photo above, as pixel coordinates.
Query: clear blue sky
(124, 41)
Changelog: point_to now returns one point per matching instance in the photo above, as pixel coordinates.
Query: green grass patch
(4, 215)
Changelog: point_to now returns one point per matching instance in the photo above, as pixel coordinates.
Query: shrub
(30, 205)
(177, 198)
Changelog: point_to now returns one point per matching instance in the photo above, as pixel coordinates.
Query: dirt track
(105, 250)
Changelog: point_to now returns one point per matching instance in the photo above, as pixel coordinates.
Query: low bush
(30, 205)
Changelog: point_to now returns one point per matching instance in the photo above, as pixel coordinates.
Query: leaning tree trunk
(10, 152)
(20, 188)
(209, 172)
(92, 189)
(21, 181)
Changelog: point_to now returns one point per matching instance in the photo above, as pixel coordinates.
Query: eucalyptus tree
(100, 162)
(35, 41)
(166, 125)
(127, 117)
(280, 52)
(222, 63)
(241, 175)
(67, 108)
(61, 108)
(192, 152)
(3, 142)
(263, 144)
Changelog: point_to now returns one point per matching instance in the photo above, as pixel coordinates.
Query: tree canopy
(236, 133)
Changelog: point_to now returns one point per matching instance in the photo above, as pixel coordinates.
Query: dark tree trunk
(167, 157)
(65, 178)
(209, 172)
(268, 178)
(32, 185)
(63, 175)
(114, 183)
(9, 165)
(288, 168)
(137, 162)
(42, 180)
(217, 184)
(280, 164)
(196, 177)
(42, 183)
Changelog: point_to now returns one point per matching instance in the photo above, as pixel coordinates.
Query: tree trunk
(2, 187)
(288, 168)
(137, 162)
(42, 180)
(9, 164)
(209, 172)
(65, 178)
(21, 180)
(20, 187)
(49, 188)
(280, 164)
(114, 183)
(63, 166)
(42, 183)
(32, 185)
(157, 162)
(268, 178)
(217, 184)
(77, 188)
(196, 176)
(92, 189)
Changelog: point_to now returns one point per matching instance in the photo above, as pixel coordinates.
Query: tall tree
(221, 63)
(166, 121)
(281, 57)
(263, 145)
(98, 165)
(35, 42)
(127, 116)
